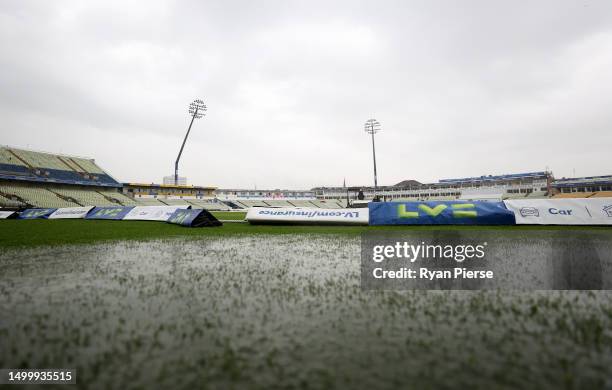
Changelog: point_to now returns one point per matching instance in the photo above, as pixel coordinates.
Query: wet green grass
(282, 311)
(31, 233)
(227, 215)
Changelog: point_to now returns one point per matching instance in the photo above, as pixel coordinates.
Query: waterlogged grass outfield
(221, 308)
(37, 232)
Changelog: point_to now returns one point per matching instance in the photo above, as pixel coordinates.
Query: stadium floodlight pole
(196, 109)
(372, 126)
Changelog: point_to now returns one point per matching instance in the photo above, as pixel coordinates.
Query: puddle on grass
(282, 311)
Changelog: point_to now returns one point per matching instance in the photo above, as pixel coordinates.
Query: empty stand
(254, 203)
(35, 196)
(40, 166)
(84, 196)
(118, 196)
(8, 158)
(602, 194)
(278, 203)
(176, 202)
(513, 196)
(573, 195)
(537, 195)
(208, 205)
(301, 203)
(10, 203)
(326, 204)
(150, 202)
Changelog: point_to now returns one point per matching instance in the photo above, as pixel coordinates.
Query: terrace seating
(6, 157)
(278, 203)
(39, 166)
(602, 194)
(573, 195)
(176, 202)
(86, 197)
(150, 202)
(11, 203)
(36, 196)
(537, 195)
(301, 203)
(326, 204)
(118, 196)
(253, 203)
(207, 205)
(39, 160)
(507, 196)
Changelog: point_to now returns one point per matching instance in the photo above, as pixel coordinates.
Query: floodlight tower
(197, 109)
(372, 126)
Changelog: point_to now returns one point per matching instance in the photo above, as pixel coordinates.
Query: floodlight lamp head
(372, 126)
(197, 109)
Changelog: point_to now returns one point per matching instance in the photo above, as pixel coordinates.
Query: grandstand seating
(7, 158)
(537, 195)
(176, 202)
(326, 204)
(85, 196)
(301, 203)
(18, 164)
(573, 195)
(118, 196)
(208, 205)
(278, 203)
(253, 203)
(513, 196)
(35, 195)
(602, 194)
(10, 203)
(149, 202)
(248, 203)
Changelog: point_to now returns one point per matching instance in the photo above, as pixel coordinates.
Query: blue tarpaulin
(36, 213)
(111, 212)
(193, 218)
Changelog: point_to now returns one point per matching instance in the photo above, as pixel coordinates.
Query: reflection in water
(283, 312)
(576, 264)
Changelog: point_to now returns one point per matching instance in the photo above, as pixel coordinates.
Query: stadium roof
(497, 177)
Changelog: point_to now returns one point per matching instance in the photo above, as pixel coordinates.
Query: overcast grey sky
(462, 88)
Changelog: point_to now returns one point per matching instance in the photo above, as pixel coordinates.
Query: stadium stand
(573, 195)
(10, 203)
(602, 194)
(35, 195)
(176, 202)
(513, 196)
(40, 179)
(537, 195)
(301, 203)
(118, 196)
(20, 164)
(253, 203)
(326, 204)
(150, 202)
(85, 196)
(208, 205)
(278, 203)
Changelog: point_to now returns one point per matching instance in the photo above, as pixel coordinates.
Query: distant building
(230, 194)
(167, 191)
(471, 188)
(169, 180)
(583, 184)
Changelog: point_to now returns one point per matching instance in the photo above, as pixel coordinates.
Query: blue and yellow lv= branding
(459, 210)
(440, 213)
